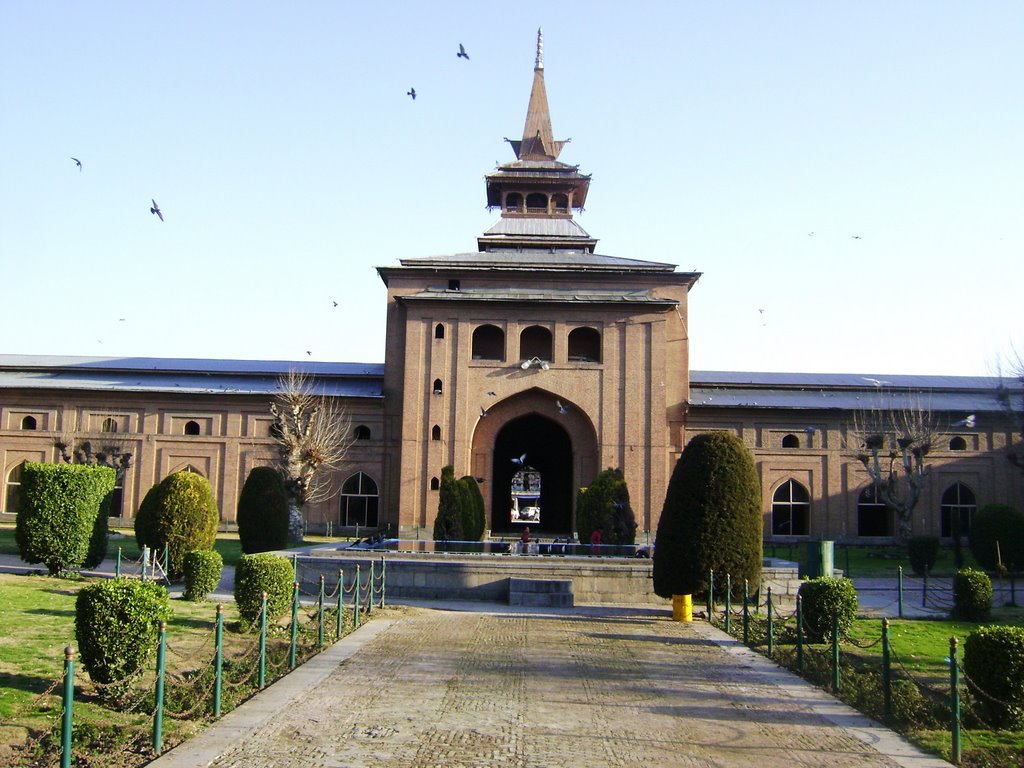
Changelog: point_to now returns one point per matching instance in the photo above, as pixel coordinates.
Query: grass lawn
(861, 561)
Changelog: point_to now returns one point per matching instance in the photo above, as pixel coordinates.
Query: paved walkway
(422, 686)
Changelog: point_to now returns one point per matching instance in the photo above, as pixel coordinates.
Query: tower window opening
(488, 343)
(535, 341)
(585, 345)
(514, 202)
(536, 202)
(790, 441)
(191, 427)
(29, 423)
(439, 331)
(560, 203)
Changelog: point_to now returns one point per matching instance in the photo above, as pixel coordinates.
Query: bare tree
(893, 444)
(313, 435)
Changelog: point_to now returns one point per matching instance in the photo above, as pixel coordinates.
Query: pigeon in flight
(156, 209)
(78, 163)
(462, 53)
(411, 92)
(491, 393)
(856, 237)
(521, 461)
(483, 412)
(562, 408)
(968, 422)
(335, 303)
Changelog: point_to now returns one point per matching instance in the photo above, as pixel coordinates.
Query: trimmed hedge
(923, 552)
(263, 512)
(203, 569)
(605, 504)
(972, 595)
(62, 517)
(998, 523)
(994, 662)
(259, 573)
(181, 513)
(821, 597)
(117, 628)
(471, 504)
(711, 518)
(448, 523)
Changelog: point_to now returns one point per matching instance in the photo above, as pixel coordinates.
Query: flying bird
(156, 209)
(462, 53)
(856, 237)
(411, 92)
(483, 412)
(491, 393)
(521, 461)
(309, 353)
(966, 422)
(335, 303)
(78, 163)
(562, 409)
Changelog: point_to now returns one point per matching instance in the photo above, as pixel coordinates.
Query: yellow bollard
(682, 607)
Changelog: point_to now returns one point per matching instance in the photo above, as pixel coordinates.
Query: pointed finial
(539, 64)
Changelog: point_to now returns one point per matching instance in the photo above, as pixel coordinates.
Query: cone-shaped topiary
(711, 518)
(62, 517)
(180, 513)
(448, 523)
(605, 504)
(263, 512)
(471, 504)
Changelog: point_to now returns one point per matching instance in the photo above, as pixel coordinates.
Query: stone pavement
(494, 686)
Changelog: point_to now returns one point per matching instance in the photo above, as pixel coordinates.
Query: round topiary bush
(711, 518)
(994, 664)
(972, 595)
(180, 513)
(256, 574)
(822, 597)
(203, 569)
(263, 512)
(923, 552)
(62, 518)
(998, 523)
(117, 628)
(604, 504)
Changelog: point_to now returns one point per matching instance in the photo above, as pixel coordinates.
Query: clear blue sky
(288, 161)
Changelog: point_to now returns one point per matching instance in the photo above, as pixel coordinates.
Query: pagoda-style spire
(538, 142)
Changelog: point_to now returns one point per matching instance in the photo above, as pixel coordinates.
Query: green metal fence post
(728, 602)
(341, 603)
(711, 594)
(145, 561)
(369, 594)
(262, 680)
(900, 587)
(167, 551)
(355, 601)
(69, 703)
(384, 578)
(320, 612)
(158, 711)
(218, 660)
(886, 673)
(746, 614)
(295, 625)
(835, 651)
(954, 693)
(771, 626)
(117, 568)
(924, 589)
(799, 634)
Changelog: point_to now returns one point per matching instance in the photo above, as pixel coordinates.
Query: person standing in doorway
(595, 542)
(524, 540)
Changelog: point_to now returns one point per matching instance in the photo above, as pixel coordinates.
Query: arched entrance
(548, 449)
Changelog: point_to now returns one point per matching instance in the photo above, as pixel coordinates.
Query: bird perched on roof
(78, 163)
(411, 92)
(156, 209)
(462, 53)
(521, 461)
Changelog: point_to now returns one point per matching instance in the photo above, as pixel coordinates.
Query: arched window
(362, 432)
(957, 509)
(29, 422)
(434, 483)
(12, 493)
(514, 202)
(117, 496)
(791, 510)
(560, 202)
(435, 433)
(873, 517)
(359, 501)
(535, 341)
(192, 427)
(488, 343)
(585, 345)
(439, 331)
(791, 441)
(194, 469)
(438, 387)
(958, 444)
(109, 425)
(536, 202)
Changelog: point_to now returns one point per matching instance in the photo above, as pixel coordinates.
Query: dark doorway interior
(549, 451)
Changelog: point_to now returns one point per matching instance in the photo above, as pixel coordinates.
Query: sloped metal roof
(532, 260)
(537, 227)
(540, 295)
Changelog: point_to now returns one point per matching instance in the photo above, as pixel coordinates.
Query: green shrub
(923, 551)
(117, 628)
(711, 518)
(181, 514)
(263, 512)
(998, 523)
(256, 574)
(448, 523)
(471, 504)
(605, 504)
(61, 520)
(822, 597)
(203, 569)
(972, 595)
(994, 664)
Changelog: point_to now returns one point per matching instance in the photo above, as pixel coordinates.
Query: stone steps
(540, 593)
